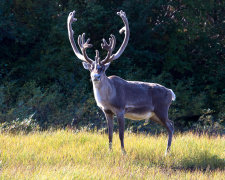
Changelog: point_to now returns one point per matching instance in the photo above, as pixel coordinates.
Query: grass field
(85, 155)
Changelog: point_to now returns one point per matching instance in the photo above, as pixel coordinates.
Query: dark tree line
(179, 44)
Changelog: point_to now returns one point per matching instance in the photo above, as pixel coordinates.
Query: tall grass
(85, 155)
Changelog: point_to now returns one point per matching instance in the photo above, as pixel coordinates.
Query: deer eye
(99, 69)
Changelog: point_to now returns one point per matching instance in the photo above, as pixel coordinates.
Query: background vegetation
(179, 44)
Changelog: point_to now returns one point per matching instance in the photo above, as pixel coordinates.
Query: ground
(66, 154)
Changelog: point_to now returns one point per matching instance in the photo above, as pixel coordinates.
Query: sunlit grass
(85, 155)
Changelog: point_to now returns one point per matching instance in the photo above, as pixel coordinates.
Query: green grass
(85, 155)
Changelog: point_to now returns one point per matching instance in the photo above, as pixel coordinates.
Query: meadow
(65, 154)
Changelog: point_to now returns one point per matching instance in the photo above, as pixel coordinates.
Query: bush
(179, 44)
(20, 126)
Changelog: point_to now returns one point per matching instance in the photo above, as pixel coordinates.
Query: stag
(115, 96)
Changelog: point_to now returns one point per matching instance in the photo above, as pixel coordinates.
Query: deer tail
(173, 95)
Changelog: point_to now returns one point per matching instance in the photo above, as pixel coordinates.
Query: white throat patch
(98, 97)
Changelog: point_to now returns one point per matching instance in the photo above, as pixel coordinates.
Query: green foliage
(179, 44)
(17, 126)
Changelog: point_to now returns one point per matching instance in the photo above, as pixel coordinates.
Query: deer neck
(102, 91)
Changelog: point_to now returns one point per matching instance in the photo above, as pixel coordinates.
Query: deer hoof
(124, 152)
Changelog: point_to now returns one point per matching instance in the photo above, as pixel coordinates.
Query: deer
(115, 96)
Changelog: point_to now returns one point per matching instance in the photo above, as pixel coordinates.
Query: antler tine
(97, 59)
(81, 40)
(84, 45)
(126, 30)
(109, 47)
(113, 42)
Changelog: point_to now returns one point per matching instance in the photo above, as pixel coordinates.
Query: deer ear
(107, 66)
(86, 65)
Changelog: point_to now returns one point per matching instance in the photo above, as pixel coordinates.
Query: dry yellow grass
(85, 155)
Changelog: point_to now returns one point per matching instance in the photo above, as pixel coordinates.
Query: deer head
(98, 67)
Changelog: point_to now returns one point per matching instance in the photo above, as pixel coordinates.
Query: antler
(112, 41)
(84, 45)
(109, 47)
(97, 58)
(81, 40)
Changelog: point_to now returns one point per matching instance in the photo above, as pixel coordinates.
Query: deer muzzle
(96, 77)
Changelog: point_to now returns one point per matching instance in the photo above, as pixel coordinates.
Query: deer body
(117, 97)
(138, 100)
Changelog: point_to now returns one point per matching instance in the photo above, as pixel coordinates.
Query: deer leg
(162, 115)
(109, 118)
(170, 130)
(120, 118)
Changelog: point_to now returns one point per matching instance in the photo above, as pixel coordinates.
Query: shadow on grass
(203, 161)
